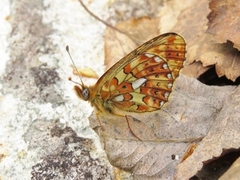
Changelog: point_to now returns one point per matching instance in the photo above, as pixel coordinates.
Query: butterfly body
(141, 81)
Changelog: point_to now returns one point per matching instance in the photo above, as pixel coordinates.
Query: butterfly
(142, 81)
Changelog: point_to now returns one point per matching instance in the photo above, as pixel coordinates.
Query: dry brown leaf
(117, 44)
(224, 21)
(88, 72)
(85, 72)
(140, 30)
(192, 24)
(203, 47)
(169, 14)
(225, 58)
(224, 134)
(192, 113)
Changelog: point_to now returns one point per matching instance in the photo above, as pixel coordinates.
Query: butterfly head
(82, 92)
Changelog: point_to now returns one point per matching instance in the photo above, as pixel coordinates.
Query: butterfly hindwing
(142, 81)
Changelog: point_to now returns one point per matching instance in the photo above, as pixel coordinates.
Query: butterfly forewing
(142, 81)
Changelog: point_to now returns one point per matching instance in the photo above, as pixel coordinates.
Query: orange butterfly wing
(142, 81)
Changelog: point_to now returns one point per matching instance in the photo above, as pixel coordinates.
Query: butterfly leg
(131, 129)
(99, 121)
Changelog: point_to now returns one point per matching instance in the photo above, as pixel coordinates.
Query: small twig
(96, 17)
(104, 22)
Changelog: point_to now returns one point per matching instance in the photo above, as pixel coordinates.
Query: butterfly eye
(85, 94)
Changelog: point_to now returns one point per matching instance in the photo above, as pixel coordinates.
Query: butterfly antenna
(75, 67)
